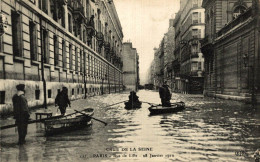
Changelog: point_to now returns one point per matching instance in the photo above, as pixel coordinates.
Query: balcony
(100, 39)
(207, 40)
(207, 45)
(107, 46)
(76, 8)
(236, 22)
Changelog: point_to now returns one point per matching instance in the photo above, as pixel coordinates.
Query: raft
(159, 109)
(69, 122)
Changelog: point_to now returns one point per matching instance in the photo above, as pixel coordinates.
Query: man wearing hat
(165, 95)
(21, 112)
(62, 100)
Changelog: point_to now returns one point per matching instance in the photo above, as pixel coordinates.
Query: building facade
(54, 43)
(192, 27)
(130, 69)
(169, 45)
(231, 49)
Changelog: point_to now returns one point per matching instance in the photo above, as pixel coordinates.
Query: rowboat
(132, 105)
(159, 109)
(69, 122)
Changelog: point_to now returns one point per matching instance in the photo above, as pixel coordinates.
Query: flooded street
(208, 130)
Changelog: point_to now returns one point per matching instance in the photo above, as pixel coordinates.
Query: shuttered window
(33, 41)
(16, 34)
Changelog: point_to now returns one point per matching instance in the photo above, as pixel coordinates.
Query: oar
(31, 121)
(152, 104)
(115, 104)
(91, 117)
(36, 121)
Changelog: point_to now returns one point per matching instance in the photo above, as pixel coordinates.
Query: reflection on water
(215, 132)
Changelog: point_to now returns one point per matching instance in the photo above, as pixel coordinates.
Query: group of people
(22, 115)
(21, 111)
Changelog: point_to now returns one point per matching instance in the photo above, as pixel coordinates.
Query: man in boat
(133, 98)
(62, 100)
(21, 112)
(165, 95)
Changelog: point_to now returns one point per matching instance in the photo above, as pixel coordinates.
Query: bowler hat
(20, 87)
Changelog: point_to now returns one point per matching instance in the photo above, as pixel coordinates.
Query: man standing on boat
(21, 112)
(165, 95)
(62, 100)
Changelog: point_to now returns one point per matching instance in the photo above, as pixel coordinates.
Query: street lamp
(246, 64)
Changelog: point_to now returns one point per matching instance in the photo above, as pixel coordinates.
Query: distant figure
(165, 95)
(21, 112)
(133, 97)
(62, 100)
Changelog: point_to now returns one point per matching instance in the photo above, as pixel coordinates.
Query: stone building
(54, 43)
(169, 54)
(130, 67)
(176, 64)
(192, 27)
(231, 49)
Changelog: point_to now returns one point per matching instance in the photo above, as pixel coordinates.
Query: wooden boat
(132, 105)
(159, 109)
(69, 122)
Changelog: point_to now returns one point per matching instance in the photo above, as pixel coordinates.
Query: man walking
(62, 100)
(21, 112)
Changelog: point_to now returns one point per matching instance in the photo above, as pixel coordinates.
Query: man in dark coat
(133, 97)
(165, 95)
(21, 112)
(62, 100)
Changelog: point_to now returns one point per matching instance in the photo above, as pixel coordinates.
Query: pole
(85, 79)
(42, 66)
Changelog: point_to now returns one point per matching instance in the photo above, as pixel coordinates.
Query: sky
(144, 23)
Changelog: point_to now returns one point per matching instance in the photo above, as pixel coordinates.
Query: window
(45, 47)
(238, 11)
(70, 22)
(196, 33)
(49, 93)
(64, 57)
(195, 3)
(37, 94)
(70, 56)
(16, 34)
(195, 18)
(78, 91)
(56, 50)
(33, 40)
(82, 90)
(194, 66)
(199, 65)
(76, 59)
(43, 5)
(80, 61)
(2, 97)
(54, 10)
(72, 92)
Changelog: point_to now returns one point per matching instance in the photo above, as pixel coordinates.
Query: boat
(133, 105)
(69, 122)
(159, 109)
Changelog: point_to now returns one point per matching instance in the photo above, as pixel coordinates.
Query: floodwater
(208, 130)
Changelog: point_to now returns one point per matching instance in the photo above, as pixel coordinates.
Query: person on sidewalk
(21, 112)
(165, 95)
(62, 100)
